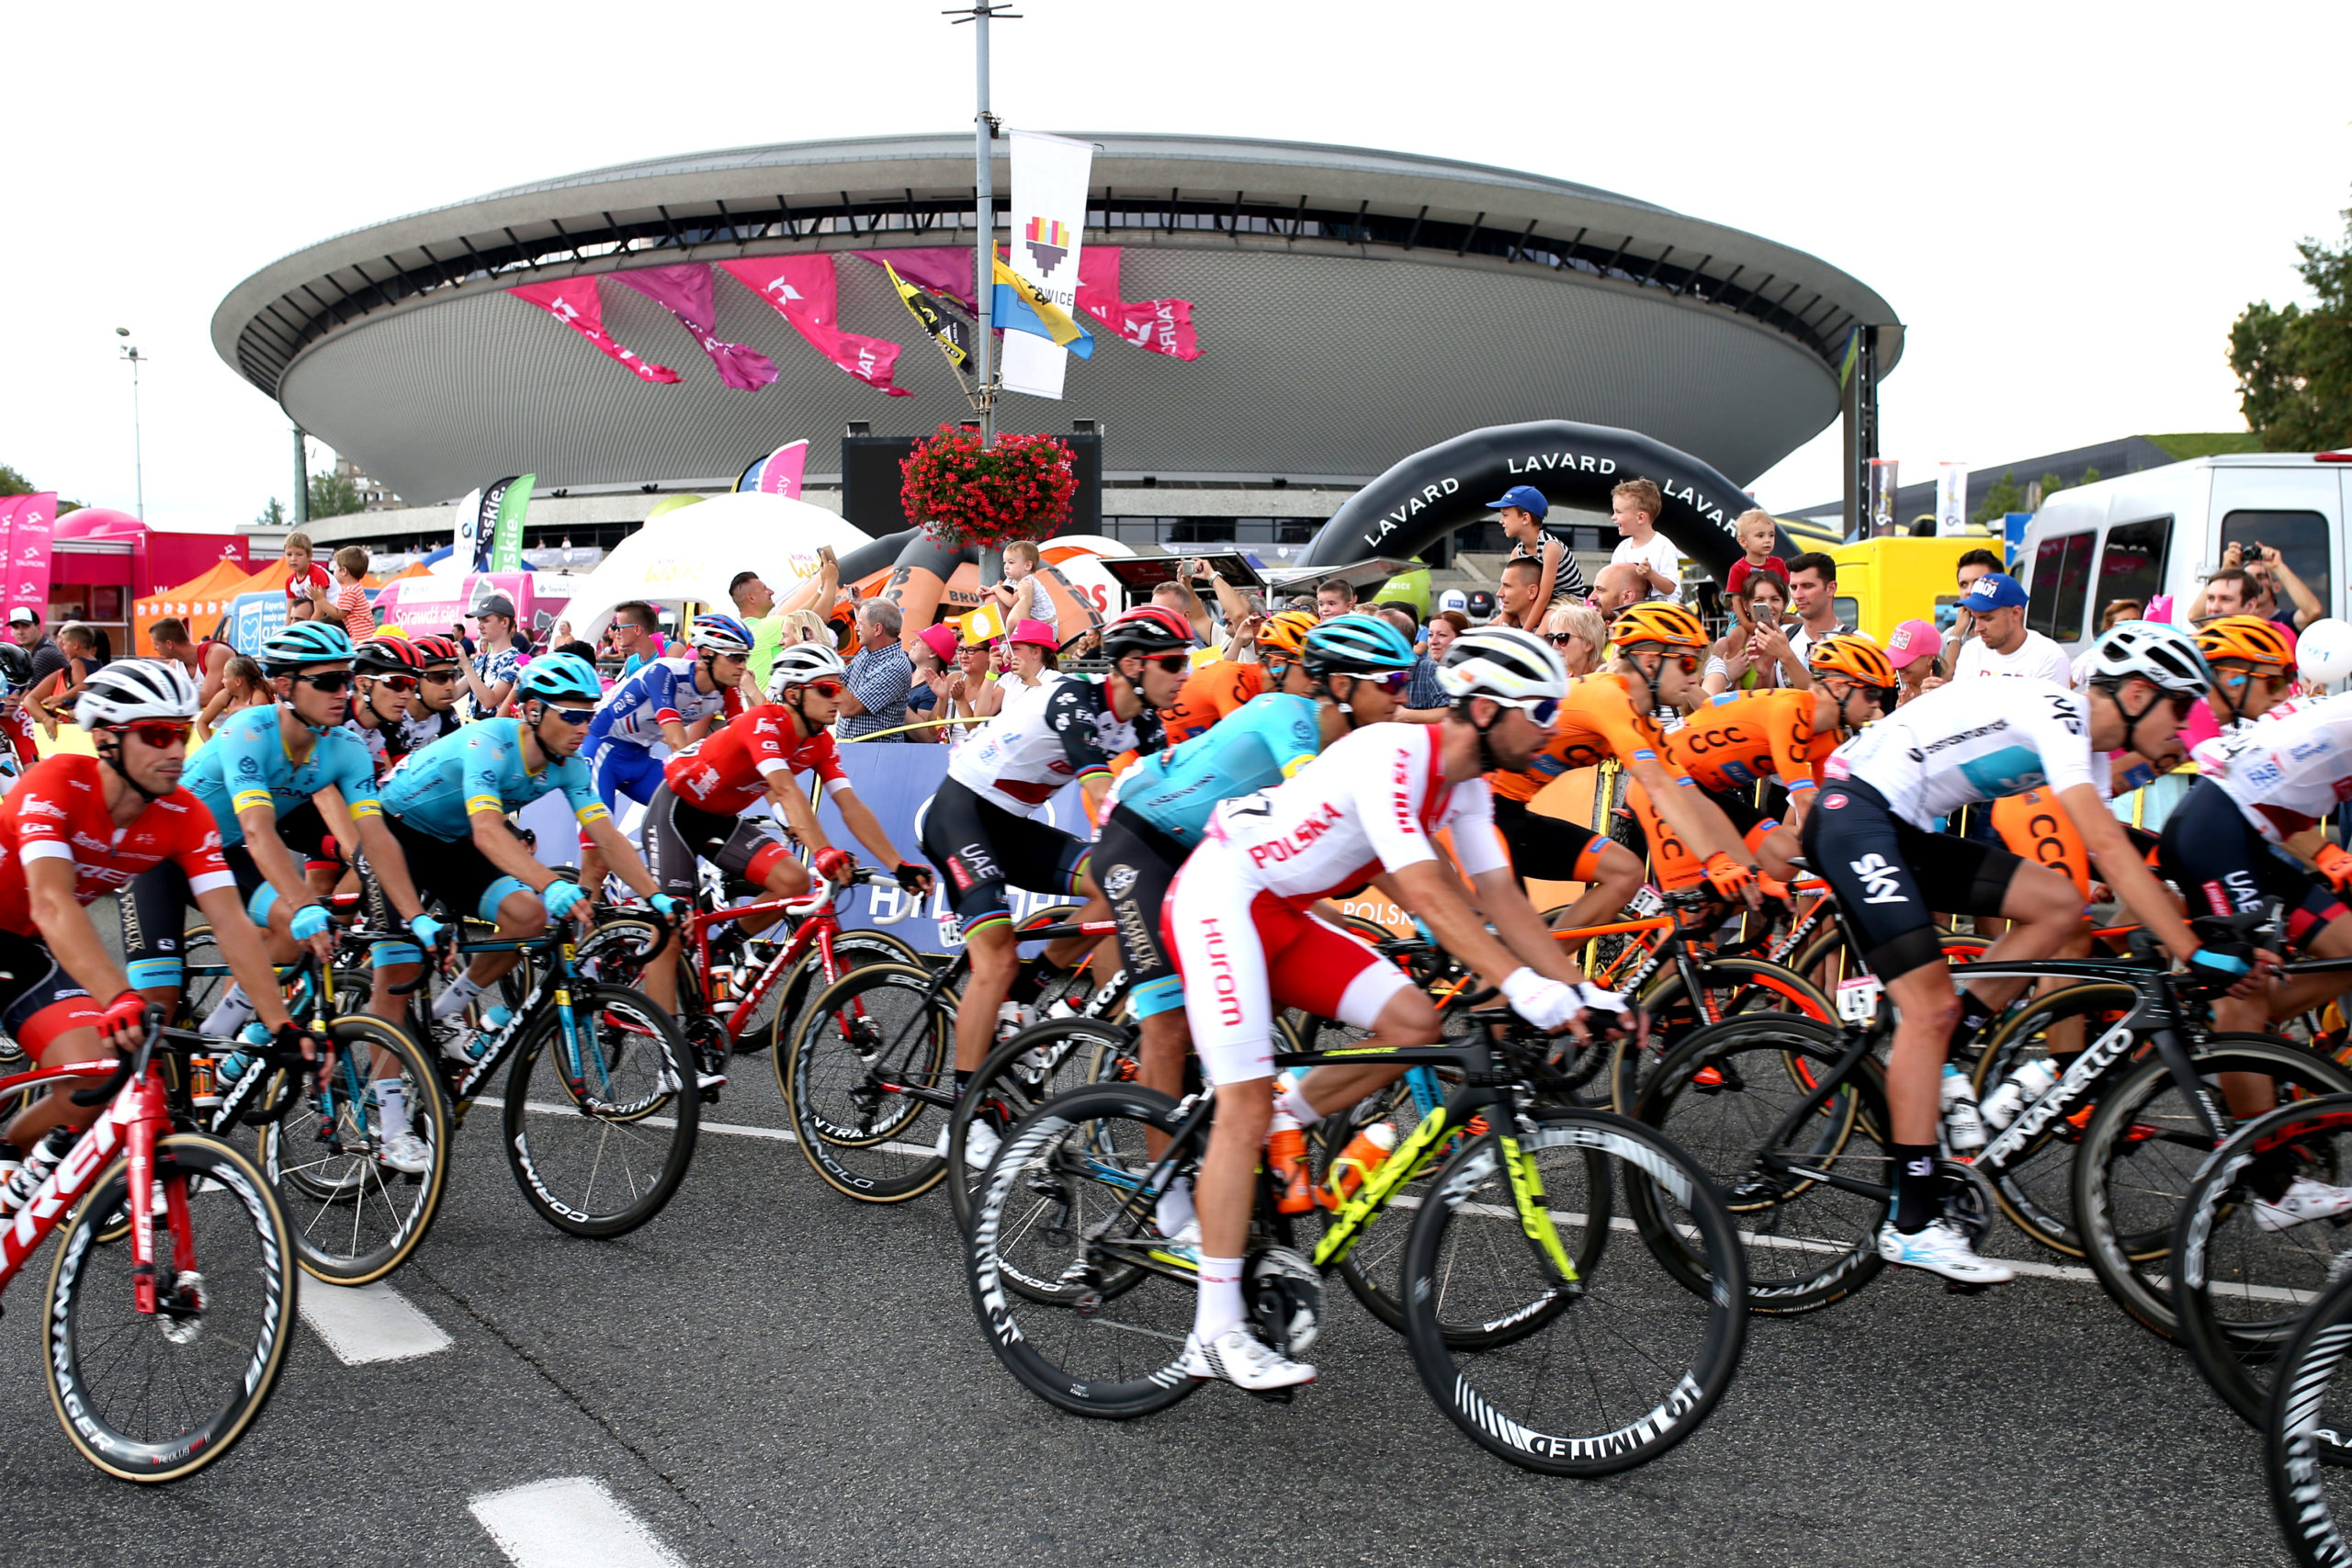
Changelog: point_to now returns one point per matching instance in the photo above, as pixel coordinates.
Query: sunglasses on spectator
(399, 682)
(1559, 639)
(159, 733)
(330, 681)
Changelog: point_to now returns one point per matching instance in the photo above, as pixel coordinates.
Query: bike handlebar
(126, 1067)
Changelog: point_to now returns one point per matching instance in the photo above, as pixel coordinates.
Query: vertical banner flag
(574, 303)
(1049, 176)
(485, 528)
(686, 292)
(1163, 326)
(507, 525)
(778, 473)
(1951, 500)
(1881, 501)
(940, 269)
(948, 329)
(803, 289)
(31, 525)
(462, 546)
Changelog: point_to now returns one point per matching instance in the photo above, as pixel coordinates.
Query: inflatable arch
(1432, 492)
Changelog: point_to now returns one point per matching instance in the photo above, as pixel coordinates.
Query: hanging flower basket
(1022, 490)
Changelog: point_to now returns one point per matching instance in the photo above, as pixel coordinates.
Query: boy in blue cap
(1520, 511)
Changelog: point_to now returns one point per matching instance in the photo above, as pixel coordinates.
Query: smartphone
(825, 556)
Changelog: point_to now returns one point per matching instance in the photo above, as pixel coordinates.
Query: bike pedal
(1274, 1395)
(1955, 1288)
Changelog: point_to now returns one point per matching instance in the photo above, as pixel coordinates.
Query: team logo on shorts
(1832, 802)
(1122, 879)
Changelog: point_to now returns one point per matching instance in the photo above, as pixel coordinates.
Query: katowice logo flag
(686, 292)
(1163, 326)
(803, 290)
(573, 302)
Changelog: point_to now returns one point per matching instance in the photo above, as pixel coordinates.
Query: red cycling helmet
(439, 650)
(1146, 628)
(389, 656)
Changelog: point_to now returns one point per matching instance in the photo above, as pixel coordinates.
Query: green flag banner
(507, 541)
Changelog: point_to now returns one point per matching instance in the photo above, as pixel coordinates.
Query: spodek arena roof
(1351, 306)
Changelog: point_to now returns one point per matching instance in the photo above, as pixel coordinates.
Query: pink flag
(802, 289)
(574, 303)
(30, 522)
(686, 291)
(1163, 326)
(941, 269)
(781, 474)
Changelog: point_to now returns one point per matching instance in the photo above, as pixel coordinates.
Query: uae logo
(1048, 242)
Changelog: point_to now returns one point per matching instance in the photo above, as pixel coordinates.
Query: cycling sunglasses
(573, 716)
(826, 688)
(1171, 663)
(1543, 710)
(397, 683)
(159, 733)
(1392, 681)
(331, 682)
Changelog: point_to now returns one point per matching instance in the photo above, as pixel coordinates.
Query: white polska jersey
(2286, 769)
(1370, 803)
(1971, 742)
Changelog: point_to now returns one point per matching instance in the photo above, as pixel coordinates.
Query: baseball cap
(500, 605)
(1455, 599)
(20, 616)
(1911, 642)
(1995, 590)
(1527, 498)
(1481, 608)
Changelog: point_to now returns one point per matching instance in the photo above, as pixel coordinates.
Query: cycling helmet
(1659, 621)
(1146, 628)
(1856, 657)
(2248, 638)
(1355, 645)
(439, 650)
(801, 663)
(560, 677)
(301, 643)
(16, 667)
(1285, 633)
(389, 656)
(2166, 657)
(720, 635)
(129, 690)
(1516, 668)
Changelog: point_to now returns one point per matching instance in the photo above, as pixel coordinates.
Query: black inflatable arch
(1432, 492)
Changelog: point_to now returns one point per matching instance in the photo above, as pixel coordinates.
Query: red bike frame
(820, 925)
(139, 1115)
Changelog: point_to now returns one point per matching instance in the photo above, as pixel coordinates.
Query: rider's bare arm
(2120, 867)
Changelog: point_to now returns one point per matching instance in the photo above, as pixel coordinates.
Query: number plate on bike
(1858, 999)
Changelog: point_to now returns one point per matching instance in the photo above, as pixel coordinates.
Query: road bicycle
(2307, 1434)
(172, 1294)
(1540, 1348)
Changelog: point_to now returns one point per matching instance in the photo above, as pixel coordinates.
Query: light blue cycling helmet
(302, 643)
(718, 633)
(1355, 645)
(561, 678)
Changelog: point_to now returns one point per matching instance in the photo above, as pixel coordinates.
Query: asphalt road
(771, 1374)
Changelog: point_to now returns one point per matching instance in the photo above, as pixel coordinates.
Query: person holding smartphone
(1755, 654)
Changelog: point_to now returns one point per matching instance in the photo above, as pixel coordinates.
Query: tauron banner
(1163, 326)
(939, 268)
(803, 290)
(687, 293)
(485, 529)
(1049, 175)
(574, 302)
(27, 528)
(506, 526)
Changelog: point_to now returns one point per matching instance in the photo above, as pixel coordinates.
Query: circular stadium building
(1351, 308)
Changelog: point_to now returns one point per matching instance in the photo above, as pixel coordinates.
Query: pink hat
(1912, 641)
(1039, 633)
(941, 639)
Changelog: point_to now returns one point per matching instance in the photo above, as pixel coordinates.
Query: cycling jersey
(1262, 744)
(58, 811)
(1046, 736)
(382, 742)
(437, 790)
(1209, 694)
(1742, 737)
(656, 694)
(422, 728)
(1598, 719)
(728, 771)
(1964, 742)
(246, 764)
(2289, 768)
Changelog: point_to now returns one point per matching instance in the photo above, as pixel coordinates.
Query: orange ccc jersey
(1598, 719)
(1740, 739)
(1209, 694)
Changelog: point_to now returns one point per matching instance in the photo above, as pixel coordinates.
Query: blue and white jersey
(1967, 741)
(659, 692)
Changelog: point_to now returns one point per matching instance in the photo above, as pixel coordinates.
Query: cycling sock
(1973, 1016)
(230, 1016)
(1219, 1307)
(1030, 979)
(1293, 1104)
(964, 1081)
(391, 1100)
(1919, 1192)
(451, 1002)
(1175, 1208)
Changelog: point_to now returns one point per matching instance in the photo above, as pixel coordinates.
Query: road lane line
(569, 1523)
(370, 1323)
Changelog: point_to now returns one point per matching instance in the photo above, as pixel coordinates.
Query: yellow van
(1883, 582)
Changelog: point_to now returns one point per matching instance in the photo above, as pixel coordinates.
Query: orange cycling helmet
(1286, 633)
(1659, 621)
(2249, 638)
(1856, 657)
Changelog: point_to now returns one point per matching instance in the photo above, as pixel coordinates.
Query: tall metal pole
(301, 480)
(984, 245)
(137, 453)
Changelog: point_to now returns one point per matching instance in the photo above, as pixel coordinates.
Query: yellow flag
(1057, 323)
(983, 625)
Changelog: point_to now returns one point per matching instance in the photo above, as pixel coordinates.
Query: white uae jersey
(2289, 768)
(1969, 741)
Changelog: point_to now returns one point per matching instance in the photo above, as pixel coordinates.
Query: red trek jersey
(728, 769)
(58, 811)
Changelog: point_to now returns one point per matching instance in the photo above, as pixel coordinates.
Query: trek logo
(1882, 882)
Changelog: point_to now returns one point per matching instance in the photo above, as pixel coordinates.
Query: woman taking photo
(1755, 654)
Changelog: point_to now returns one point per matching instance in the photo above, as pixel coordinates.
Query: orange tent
(199, 602)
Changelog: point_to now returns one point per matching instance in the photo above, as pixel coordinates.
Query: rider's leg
(1615, 876)
(67, 1031)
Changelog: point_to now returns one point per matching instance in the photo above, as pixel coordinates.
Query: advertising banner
(803, 290)
(430, 605)
(574, 302)
(1163, 326)
(1951, 500)
(1049, 176)
(686, 292)
(1882, 497)
(465, 537)
(506, 528)
(778, 473)
(32, 523)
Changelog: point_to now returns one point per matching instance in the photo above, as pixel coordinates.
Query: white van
(2161, 531)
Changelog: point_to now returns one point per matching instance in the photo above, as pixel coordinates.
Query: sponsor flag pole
(984, 204)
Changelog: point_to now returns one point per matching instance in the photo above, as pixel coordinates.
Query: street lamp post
(984, 245)
(138, 457)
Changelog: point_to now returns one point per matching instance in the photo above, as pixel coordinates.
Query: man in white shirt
(1635, 507)
(1812, 597)
(2002, 645)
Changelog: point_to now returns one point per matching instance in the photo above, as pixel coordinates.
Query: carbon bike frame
(139, 1114)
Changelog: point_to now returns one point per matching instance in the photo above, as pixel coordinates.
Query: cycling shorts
(1877, 865)
(970, 841)
(621, 769)
(1547, 849)
(1244, 954)
(304, 831)
(678, 835)
(2222, 866)
(1134, 864)
(453, 871)
(38, 1002)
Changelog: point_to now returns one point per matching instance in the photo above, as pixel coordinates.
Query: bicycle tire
(1754, 982)
(2035, 1189)
(1668, 1392)
(636, 1093)
(789, 997)
(1015, 1081)
(2301, 1446)
(1075, 1148)
(320, 1190)
(2239, 1293)
(858, 1126)
(242, 1237)
(2127, 1243)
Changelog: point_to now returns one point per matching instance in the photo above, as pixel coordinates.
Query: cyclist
(435, 713)
(388, 668)
(659, 709)
(985, 817)
(19, 731)
(1367, 810)
(446, 808)
(1218, 689)
(77, 828)
(698, 811)
(1872, 837)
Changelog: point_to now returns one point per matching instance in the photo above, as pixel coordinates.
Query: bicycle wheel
(2142, 1149)
(2241, 1290)
(1063, 1277)
(354, 1217)
(1666, 1014)
(599, 1144)
(868, 1084)
(1722, 1096)
(159, 1398)
(2035, 1187)
(777, 1016)
(1042, 1061)
(1582, 1377)
(2304, 1457)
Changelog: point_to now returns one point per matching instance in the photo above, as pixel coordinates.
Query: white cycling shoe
(2303, 1202)
(1940, 1248)
(406, 1153)
(1238, 1356)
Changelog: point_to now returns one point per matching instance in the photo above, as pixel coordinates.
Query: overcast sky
(2067, 205)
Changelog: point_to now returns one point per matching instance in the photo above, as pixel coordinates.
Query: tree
(333, 494)
(2294, 365)
(2004, 498)
(14, 483)
(272, 516)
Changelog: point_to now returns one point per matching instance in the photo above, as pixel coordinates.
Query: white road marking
(569, 1523)
(370, 1323)
(731, 1129)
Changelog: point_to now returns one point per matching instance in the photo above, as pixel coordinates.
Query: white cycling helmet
(1514, 667)
(2165, 656)
(801, 663)
(129, 690)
